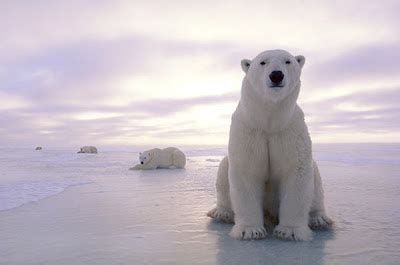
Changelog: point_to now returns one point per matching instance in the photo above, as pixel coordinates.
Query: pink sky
(168, 72)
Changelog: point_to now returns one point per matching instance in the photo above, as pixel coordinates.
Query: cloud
(10, 102)
(137, 71)
(317, 26)
(141, 121)
(90, 72)
(378, 61)
(167, 106)
(379, 114)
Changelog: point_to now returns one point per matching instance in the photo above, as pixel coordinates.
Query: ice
(213, 160)
(63, 208)
(14, 195)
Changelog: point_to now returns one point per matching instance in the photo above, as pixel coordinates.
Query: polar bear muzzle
(276, 78)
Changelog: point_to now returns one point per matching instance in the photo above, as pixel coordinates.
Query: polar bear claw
(320, 222)
(293, 233)
(248, 232)
(223, 215)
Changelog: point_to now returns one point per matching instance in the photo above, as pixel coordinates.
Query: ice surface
(64, 208)
(213, 160)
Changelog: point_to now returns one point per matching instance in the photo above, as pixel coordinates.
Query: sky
(158, 73)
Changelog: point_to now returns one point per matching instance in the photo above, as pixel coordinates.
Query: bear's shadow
(270, 250)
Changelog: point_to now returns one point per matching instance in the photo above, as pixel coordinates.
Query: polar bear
(269, 169)
(88, 150)
(161, 158)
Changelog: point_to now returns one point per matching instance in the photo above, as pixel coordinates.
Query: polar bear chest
(289, 150)
(282, 156)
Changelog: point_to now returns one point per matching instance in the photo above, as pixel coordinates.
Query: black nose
(141, 163)
(276, 76)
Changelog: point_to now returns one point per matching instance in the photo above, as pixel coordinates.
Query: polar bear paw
(293, 233)
(224, 215)
(248, 232)
(320, 222)
(137, 167)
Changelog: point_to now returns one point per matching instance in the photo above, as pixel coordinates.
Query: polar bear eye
(287, 62)
(262, 63)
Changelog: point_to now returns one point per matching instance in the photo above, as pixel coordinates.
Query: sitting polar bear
(269, 169)
(88, 150)
(161, 158)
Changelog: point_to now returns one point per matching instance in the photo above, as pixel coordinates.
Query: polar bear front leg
(318, 219)
(296, 193)
(247, 186)
(143, 167)
(137, 167)
(223, 210)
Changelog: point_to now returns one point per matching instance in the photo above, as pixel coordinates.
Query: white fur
(88, 150)
(161, 158)
(269, 169)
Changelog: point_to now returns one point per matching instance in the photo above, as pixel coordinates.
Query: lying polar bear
(161, 158)
(88, 150)
(269, 169)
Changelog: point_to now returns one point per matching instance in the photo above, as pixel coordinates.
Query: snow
(59, 207)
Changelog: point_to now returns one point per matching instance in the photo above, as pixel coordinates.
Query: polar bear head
(145, 157)
(273, 74)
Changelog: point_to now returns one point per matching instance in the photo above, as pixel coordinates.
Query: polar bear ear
(300, 59)
(245, 63)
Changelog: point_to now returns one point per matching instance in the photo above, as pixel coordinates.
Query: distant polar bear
(88, 150)
(269, 169)
(161, 158)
